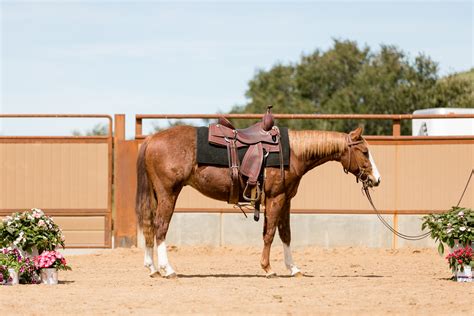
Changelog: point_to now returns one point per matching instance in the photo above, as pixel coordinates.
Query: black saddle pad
(208, 154)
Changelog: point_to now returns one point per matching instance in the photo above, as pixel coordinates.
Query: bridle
(365, 182)
(365, 189)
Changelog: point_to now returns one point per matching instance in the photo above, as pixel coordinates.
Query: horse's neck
(313, 148)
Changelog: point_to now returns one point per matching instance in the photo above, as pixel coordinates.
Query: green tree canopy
(351, 79)
(99, 129)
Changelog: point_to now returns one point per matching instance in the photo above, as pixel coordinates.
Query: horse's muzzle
(373, 182)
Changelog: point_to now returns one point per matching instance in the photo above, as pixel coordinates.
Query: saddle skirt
(259, 141)
(208, 154)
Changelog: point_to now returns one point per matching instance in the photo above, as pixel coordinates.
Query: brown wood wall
(58, 176)
(68, 180)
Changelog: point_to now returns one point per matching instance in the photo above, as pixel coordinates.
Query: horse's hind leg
(164, 212)
(285, 236)
(149, 235)
(149, 262)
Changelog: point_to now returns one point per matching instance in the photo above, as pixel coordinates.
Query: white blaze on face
(375, 171)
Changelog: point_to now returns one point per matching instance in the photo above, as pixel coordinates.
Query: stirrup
(249, 198)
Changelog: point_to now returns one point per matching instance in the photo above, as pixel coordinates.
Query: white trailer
(443, 127)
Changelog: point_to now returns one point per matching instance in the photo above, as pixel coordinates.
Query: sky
(152, 57)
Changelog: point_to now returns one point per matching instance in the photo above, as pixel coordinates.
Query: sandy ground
(347, 281)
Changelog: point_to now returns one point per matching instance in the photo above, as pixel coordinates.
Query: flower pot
(13, 276)
(464, 276)
(49, 276)
(31, 255)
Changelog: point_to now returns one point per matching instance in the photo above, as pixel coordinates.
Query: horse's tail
(145, 200)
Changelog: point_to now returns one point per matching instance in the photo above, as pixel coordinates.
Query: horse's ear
(357, 133)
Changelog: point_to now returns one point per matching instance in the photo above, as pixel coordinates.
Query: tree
(158, 128)
(98, 130)
(350, 79)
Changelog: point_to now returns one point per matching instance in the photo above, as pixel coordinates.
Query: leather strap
(234, 172)
(252, 163)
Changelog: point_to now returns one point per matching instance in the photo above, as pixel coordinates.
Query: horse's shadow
(66, 282)
(359, 276)
(230, 275)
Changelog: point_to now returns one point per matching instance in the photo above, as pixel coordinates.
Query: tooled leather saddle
(261, 139)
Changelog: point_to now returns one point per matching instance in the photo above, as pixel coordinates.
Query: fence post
(396, 128)
(395, 226)
(138, 126)
(396, 131)
(125, 153)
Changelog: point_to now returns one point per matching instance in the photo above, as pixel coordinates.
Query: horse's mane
(309, 144)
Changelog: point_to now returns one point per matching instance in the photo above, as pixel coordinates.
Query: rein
(393, 230)
(365, 188)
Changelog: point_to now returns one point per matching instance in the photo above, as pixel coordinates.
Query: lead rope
(393, 230)
(365, 188)
(397, 233)
(465, 188)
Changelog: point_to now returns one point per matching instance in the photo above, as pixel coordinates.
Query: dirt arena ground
(342, 281)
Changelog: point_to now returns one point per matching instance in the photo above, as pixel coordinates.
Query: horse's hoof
(298, 274)
(171, 276)
(271, 275)
(154, 274)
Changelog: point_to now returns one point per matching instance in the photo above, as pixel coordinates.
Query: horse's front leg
(285, 235)
(272, 212)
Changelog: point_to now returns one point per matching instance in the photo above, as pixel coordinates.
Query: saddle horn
(267, 121)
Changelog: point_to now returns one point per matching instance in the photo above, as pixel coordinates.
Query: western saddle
(260, 139)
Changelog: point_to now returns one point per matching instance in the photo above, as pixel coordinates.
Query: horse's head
(357, 160)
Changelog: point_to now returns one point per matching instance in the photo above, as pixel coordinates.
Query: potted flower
(29, 231)
(5, 277)
(21, 269)
(10, 260)
(48, 263)
(461, 263)
(454, 228)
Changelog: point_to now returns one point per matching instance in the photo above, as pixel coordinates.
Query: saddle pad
(208, 154)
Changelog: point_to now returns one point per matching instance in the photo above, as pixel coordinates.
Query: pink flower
(48, 259)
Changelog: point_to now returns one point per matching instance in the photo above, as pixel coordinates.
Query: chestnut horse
(167, 162)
